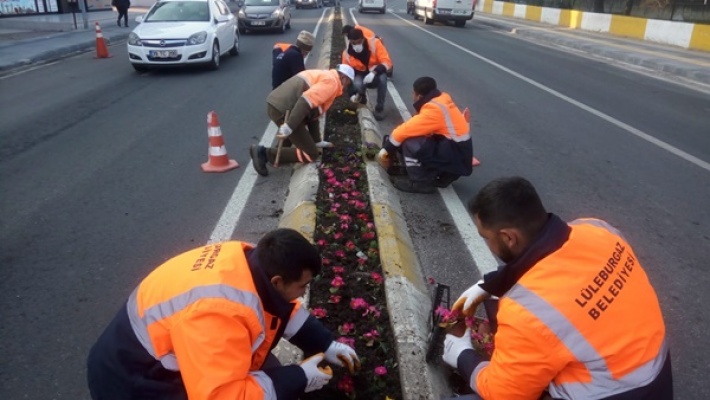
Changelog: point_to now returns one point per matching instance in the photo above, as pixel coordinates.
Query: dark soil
(345, 234)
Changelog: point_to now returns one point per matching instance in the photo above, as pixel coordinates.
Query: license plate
(258, 23)
(460, 12)
(369, 1)
(163, 53)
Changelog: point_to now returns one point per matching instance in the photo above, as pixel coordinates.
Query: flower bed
(349, 296)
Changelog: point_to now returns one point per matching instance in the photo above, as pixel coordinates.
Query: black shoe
(397, 170)
(379, 113)
(119, 23)
(410, 186)
(259, 159)
(444, 180)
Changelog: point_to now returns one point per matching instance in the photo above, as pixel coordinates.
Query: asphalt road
(571, 125)
(101, 179)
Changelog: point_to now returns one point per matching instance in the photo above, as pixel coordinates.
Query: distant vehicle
(309, 3)
(179, 32)
(456, 11)
(330, 2)
(372, 5)
(258, 15)
(410, 6)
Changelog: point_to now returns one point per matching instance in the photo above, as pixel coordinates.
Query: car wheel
(139, 68)
(234, 51)
(214, 62)
(427, 20)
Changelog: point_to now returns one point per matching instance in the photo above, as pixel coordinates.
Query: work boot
(119, 23)
(409, 186)
(379, 113)
(259, 159)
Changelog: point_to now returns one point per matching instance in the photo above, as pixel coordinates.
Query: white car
(456, 11)
(180, 32)
(372, 5)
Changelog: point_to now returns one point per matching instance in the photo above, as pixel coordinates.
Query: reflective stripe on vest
(178, 303)
(602, 382)
(295, 322)
(266, 383)
(308, 82)
(450, 124)
(599, 224)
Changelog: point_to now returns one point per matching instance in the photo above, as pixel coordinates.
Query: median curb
(408, 300)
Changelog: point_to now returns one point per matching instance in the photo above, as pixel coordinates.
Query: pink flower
(337, 282)
(370, 225)
(344, 226)
(328, 172)
(346, 385)
(346, 340)
(377, 278)
(362, 260)
(346, 328)
(346, 218)
(358, 303)
(380, 371)
(368, 235)
(372, 310)
(340, 253)
(338, 269)
(360, 205)
(334, 299)
(322, 242)
(356, 174)
(319, 312)
(338, 236)
(325, 261)
(372, 335)
(431, 280)
(363, 217)
(344, 195)
(355, 193)
(345, 169)
(350, 245)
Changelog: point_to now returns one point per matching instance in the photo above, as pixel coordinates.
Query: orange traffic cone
(101, 49)
(218, 159)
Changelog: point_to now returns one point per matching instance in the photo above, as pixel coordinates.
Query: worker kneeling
(435, 143)
(201, 326)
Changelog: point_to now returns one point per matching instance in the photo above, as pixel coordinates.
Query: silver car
(257, 15)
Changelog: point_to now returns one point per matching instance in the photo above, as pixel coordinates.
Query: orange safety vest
(199, 313)
(582, 323)
(324, 87)
(366, 32)
(282, 46)
(378, 55)
(439, 116)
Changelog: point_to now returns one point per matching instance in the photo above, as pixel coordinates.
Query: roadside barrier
(218, 159)
(101, 49)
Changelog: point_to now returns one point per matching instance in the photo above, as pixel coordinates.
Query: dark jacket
(121, 3)
(286, 64)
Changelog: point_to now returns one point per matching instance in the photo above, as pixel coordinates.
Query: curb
(408, 300)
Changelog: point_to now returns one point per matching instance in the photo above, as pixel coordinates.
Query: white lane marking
(235, 206)
(475, 245)
(28, 70)
(628, 128)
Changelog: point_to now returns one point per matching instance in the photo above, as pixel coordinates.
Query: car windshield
(170, 11)
(261, 2)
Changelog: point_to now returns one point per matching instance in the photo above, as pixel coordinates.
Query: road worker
(368, 33)
(370, 60)
(201, 326)
(435, 142)
(288, 59)
(306, 97)
(577, 316)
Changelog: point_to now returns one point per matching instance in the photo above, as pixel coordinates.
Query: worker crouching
(305, 97)
(435, 142)
(201, 326)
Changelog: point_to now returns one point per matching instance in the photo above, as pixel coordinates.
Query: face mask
(357, 48)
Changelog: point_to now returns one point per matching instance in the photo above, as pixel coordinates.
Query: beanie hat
(346, 29)
(355, 34)
(304, 40)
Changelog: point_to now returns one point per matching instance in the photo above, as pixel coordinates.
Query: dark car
(256, 15)
(308, 3)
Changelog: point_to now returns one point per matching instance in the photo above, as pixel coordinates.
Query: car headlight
(241, 14)
(276, 13)
(197, 38)
(134, 40)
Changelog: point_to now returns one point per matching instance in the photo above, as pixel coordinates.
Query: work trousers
(122, 13)
(415, 169)
(379, 83)
(300, 146)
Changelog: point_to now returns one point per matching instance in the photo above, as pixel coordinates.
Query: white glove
(383, 157)
(323, 144)
(368, 78)
(470, 299)
(454, 346)
(342, 355)
(355, 98)
(316, 377)
(284, 131)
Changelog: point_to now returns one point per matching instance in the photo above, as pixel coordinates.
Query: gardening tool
(281, 143)
(435, 342)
